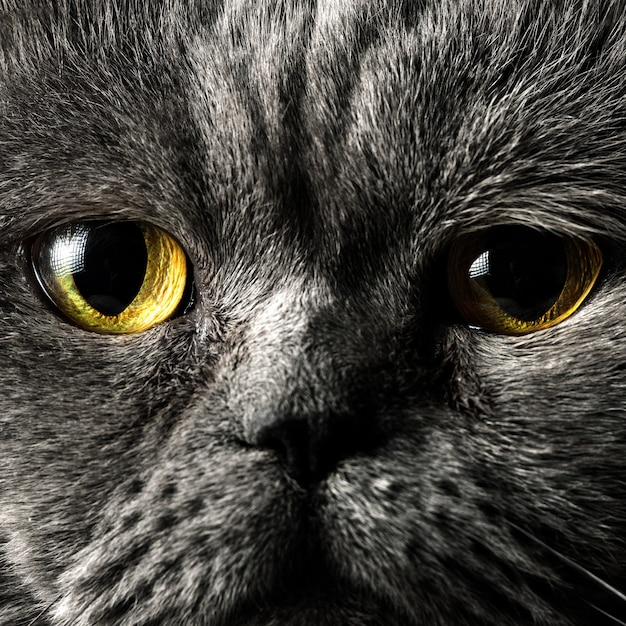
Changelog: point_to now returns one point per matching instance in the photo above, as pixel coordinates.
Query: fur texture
(316, 159)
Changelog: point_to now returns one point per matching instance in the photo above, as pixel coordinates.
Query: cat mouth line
(313, 595)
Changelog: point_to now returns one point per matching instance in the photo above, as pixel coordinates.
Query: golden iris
(111, 277)
(516, 280)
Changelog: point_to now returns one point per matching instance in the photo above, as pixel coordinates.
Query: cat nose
(312, 448)
(302, 388)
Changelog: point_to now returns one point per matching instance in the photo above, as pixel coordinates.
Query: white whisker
(615, 619)
(579, 568)
(44, 611)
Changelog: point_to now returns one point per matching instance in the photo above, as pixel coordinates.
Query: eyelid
(515, 280)
(112, 277)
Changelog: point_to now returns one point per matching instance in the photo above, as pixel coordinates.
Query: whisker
(44, 611)
(579, 568)
(615, 619)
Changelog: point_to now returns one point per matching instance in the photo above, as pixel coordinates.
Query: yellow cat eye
(111, 277)
(516, 280)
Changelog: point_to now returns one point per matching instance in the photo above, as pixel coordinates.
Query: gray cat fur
(315, 160)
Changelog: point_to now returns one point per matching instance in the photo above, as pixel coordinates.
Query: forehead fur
(492, 111)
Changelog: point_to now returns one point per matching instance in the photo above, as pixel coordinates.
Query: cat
(350, 415)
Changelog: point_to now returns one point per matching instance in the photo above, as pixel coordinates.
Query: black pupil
(525, 271)
(113, 266)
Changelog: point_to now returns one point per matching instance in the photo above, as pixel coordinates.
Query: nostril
(312, 448)
(290, 440)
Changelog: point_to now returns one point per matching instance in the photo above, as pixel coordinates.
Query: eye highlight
(516, 280)
(111, 277)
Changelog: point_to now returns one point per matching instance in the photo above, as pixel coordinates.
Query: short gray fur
(315, 159)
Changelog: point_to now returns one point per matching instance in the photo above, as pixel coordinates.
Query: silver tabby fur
(316, 159)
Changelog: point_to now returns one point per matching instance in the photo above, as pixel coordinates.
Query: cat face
(342, 418)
